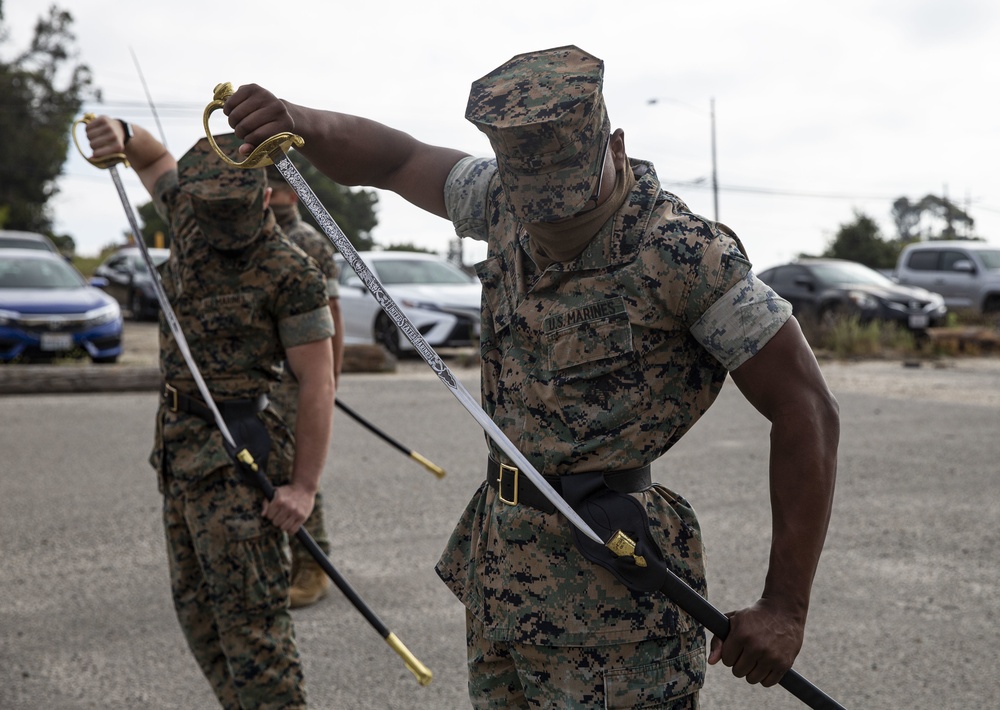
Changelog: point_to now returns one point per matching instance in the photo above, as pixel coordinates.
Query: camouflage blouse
(597, 364)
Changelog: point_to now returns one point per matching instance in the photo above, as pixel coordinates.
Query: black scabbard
(609, 512)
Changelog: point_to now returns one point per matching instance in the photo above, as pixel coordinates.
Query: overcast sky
(821, 109)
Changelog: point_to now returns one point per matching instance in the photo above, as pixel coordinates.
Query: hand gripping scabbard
(633, 557)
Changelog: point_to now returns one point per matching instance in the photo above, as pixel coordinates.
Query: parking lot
(904, 613)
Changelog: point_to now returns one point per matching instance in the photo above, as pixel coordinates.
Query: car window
(923, 260)
(38, 273)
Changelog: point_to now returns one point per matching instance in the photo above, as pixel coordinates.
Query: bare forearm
(803, 474)
(312, 430)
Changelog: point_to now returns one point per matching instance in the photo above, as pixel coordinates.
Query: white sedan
(441, 300)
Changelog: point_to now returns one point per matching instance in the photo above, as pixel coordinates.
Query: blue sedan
(49, 310)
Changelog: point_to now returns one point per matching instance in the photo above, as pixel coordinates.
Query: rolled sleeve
(739, 324)
(306, 327)
(466, 195)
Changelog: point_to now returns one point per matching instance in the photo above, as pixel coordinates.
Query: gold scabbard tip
(418, 669)
(429, 465)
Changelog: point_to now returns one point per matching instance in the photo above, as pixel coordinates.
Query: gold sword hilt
(260, 157)
(103, 162)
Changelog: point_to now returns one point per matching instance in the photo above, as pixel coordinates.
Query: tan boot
(309, 585)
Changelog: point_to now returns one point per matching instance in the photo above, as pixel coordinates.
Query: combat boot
(309, 584)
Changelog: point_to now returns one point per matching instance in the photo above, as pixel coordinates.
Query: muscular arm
(784, 383)
(147, 156)
(312, 364)
(348, 149)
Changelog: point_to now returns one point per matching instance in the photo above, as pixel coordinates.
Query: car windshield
(139, 264)
(990, 257)
(38, 273)
(849, 273)
(419, 271)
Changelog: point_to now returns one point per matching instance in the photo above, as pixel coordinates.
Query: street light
(715, 173)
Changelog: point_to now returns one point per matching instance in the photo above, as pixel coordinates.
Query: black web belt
(515, 489)
(177, 401)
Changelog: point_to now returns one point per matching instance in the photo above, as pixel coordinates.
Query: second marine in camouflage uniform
(245, 299)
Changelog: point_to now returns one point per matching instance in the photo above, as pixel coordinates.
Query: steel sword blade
(335, 234)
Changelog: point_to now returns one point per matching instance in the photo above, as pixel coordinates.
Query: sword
(241, 455)
(429, 465)
(273, 150)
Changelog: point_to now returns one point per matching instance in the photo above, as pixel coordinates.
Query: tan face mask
(562, 241)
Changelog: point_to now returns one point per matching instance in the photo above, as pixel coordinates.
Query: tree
(41, 92)
(861, 241)
(932, 217)
(353, 210)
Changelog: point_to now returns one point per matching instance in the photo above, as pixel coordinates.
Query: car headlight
(864, 301)
(104, 314)
(7, 317)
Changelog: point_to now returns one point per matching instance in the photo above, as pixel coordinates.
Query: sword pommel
(261, 155)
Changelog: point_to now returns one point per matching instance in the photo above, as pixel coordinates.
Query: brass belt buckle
(504, 468)
(171, 392)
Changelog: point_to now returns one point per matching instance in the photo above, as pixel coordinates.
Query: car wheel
(387, 334)
(992, 304)
(105, 360)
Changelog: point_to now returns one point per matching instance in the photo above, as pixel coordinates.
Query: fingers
(758, 657)
(103, 136)
(283, 514)
(255, 114)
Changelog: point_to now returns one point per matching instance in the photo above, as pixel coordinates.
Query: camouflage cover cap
(228, 202)
(544, 114)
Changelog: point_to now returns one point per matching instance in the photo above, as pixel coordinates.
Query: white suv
(966, 273)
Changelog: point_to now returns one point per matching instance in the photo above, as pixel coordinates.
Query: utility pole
(715, 172)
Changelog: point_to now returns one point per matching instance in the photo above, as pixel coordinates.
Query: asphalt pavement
(905, 605)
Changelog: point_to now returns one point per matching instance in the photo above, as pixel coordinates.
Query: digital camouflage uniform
(240, 300)
(285, 394)
(598, 363)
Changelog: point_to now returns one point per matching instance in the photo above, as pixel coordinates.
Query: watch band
(128, 131)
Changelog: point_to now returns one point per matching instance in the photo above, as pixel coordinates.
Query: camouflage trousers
(229, 574)
(662, 673)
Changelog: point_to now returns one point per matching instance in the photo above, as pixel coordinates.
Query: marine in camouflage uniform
(245, 299)
(309, 582)
(611, 317)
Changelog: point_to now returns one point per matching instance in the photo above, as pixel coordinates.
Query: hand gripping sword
(241, 455)
(273, 150)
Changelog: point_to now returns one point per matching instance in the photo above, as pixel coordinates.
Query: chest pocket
(595, 369)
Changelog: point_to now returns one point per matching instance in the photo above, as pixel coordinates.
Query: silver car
(441, 300)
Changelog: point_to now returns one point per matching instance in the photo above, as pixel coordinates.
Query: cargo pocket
(656, 685)
(261, 567)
